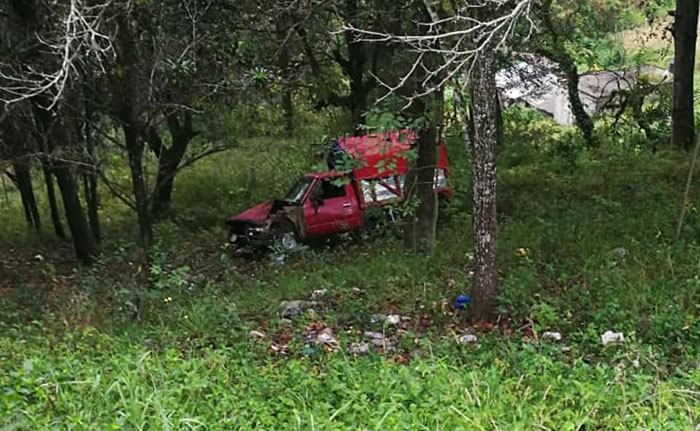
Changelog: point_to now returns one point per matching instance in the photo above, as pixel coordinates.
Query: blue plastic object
(461, 301)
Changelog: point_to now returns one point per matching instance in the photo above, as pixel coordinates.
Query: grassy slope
(185, 361)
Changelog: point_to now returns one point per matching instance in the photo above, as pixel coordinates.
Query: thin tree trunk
(169, 160)
(558, 53)
(684, 36)
(90, 177)
(129, 110)
(283, 34)
(355, 66)
(484, 138)
(23, 179)
(426, 214)
(143, 213)
(83, 240)
(53, 205)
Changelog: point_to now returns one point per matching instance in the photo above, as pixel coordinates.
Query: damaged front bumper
(245, 237)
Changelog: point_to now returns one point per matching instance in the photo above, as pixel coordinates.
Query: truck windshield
(298, 190)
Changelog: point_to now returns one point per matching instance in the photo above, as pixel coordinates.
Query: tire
(285, 236)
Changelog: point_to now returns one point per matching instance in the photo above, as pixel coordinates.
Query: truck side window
(330, 190)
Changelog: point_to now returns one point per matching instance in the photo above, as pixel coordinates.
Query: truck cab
(364, 172)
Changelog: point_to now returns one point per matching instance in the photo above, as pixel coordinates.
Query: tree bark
(684, 37)
(484, 139)
(354, 67)
(135, 152)
(425, 222)
(169, 160)
(90, 177)
(283, 34)
(53, 204)
(23, 179)
(557, 52)
(83, 240)
(129, 111)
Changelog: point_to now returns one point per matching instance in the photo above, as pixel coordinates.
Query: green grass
(91, 348)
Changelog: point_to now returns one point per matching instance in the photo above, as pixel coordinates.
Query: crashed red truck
(341, 199)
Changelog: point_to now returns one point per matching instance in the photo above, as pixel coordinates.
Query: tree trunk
(283, 34)
(129, 111)
(684, 37)
(484, 137)
(83, 240)
(90, 177)
(135, 149)
(53, 205)
(23, 179)
(425, 222)
(355, 66)
(169, 160)
(557, 52)
(581, 117)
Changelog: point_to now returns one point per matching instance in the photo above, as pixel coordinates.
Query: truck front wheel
(285, 235)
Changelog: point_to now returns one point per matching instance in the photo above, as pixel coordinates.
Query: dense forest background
(130, 131)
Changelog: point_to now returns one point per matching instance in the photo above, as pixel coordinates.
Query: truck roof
(377, 153)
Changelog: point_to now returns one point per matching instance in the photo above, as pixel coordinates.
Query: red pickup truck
(337, 200)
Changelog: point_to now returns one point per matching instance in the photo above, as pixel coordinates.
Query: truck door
(330, 208)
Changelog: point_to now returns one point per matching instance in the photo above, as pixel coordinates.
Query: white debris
(257, 335)
(358, 349)
(635, 363)
(612, 337)
(467, 339)
(318, 294)
(566, 349)
(551, 336)
(376, 338)
(39, 258)
(393, 319)
(327, 338)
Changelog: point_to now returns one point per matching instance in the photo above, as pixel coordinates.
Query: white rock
(467, 339)
(612, 337)
(551, 336)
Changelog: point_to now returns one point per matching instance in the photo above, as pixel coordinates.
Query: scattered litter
(467, 339)
(551, 336)
(621, 254)
(278, 349)
(462, 301)
(566, 349)
(357, 291)
(308, 351)
(393, 319)
(376, 338)
(319, 294)
(39, 258)
(257, 335)
(612, 337)
(358, 348)
(294, 308)
(285, 322)
(326, 339)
